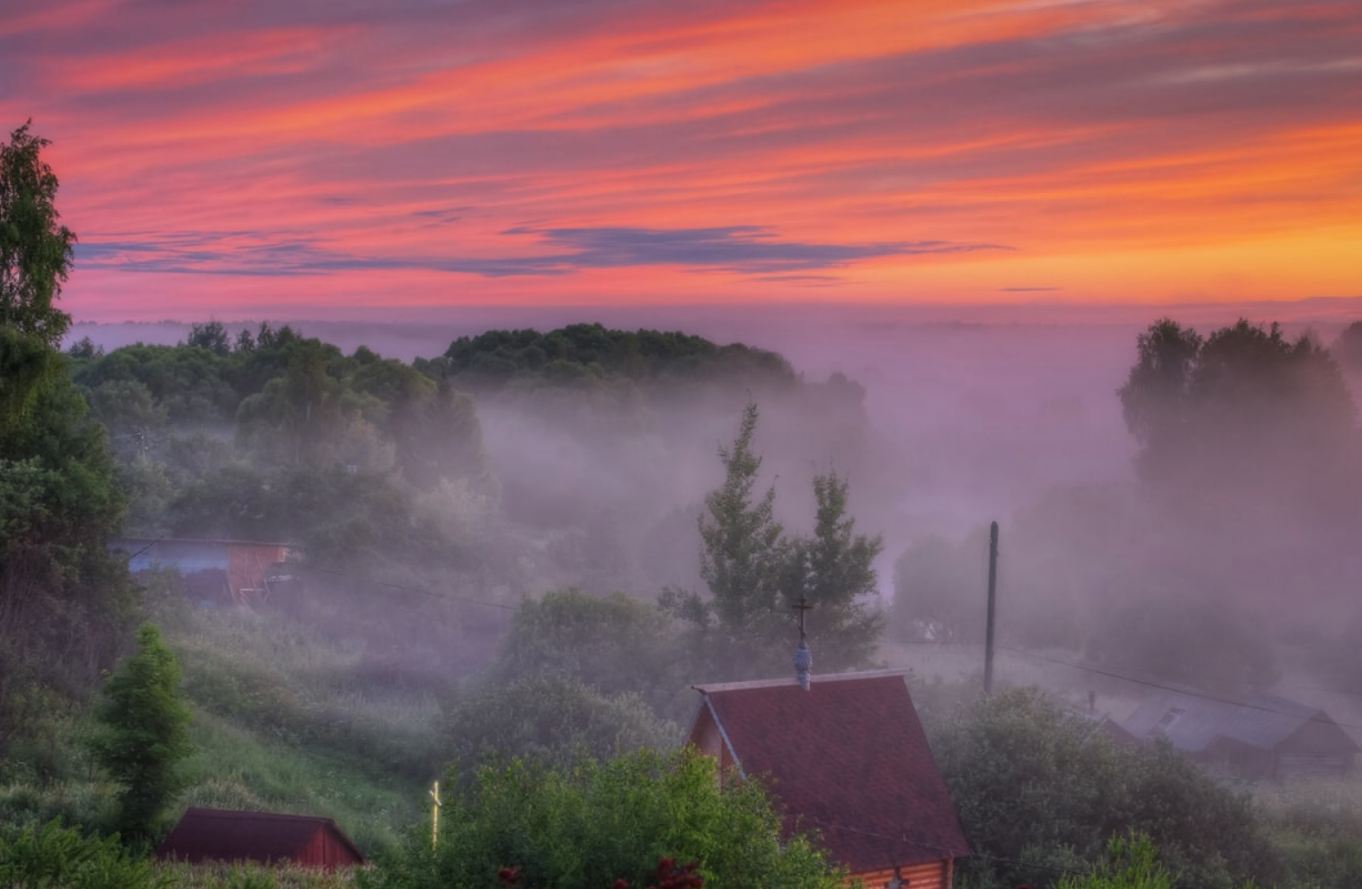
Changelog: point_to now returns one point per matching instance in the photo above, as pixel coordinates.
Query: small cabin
(219, 835)
(217, 572)
(1265, 737)
(843, 756)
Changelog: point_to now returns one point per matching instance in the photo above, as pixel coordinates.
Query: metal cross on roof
(800, 609)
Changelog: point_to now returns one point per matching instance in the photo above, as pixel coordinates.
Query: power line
(1180, 690)
(1319, 688)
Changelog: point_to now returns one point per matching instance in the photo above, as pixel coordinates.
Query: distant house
(845, 758)
(1265, 737)
(217, 835)
(239, 572)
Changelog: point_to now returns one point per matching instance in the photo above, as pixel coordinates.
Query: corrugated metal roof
(847, 758)
(1263, 721)
(125, 542)
(220, 835)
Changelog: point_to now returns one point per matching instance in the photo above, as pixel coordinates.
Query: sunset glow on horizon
(250, 159)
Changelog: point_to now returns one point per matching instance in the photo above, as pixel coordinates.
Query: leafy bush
(1316, 829)
(552, 719)
(54, 857)
(1133, 864)
(1038, 790)
(598, 822)
(614, 643)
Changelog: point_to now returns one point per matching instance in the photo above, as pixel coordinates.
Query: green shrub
(54, 857)
(1316, 830)
(552, 719)
(1039, 790)
(598, 822)
(1132, 864)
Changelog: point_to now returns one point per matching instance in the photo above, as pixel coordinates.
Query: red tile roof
(216, 834)
(846, 758)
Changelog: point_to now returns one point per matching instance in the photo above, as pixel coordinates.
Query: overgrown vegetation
(1040, 792)
(595, 823)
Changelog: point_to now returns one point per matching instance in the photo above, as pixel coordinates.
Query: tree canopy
(62, 597)
(35, 249)
(591, 353)
(756, 574)
(1240, 409)
(594, 823)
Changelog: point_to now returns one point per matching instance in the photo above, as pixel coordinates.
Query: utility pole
(992, 602)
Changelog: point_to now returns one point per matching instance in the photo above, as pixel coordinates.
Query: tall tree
(145, 733)
(211, 335)
(61, 594)
(35, 250)
(1245, 408)
(834, 571)
(744, 545)
(742, 559)
(755, 573)
(1154, 399)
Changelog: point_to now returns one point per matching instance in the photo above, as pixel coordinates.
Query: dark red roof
(215, 834)
(848, 759)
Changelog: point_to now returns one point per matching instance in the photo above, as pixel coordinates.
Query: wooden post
(992, 602)
(435, 814)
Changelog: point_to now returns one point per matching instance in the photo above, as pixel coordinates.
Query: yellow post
(435, 814)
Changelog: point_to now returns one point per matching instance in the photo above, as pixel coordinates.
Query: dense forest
(511, 560)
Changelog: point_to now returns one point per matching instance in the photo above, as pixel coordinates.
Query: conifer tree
(756, 574)
(144, 734)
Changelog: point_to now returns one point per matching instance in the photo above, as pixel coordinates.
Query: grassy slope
(284, 721)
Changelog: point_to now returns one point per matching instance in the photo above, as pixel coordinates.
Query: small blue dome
(803, 664)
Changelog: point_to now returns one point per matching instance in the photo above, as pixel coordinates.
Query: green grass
(290, 716)
(235, 768)
(250, 875)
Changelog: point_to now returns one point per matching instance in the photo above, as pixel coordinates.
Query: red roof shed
(217, 835)
(846, 758)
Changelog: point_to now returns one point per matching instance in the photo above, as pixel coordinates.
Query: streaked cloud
(631, 149)
(744, 250)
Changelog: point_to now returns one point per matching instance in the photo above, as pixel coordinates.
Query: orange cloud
(624, 150)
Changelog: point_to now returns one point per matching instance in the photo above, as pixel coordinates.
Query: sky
(393, 159)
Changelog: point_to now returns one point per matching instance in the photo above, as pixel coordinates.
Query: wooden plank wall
(932, 875)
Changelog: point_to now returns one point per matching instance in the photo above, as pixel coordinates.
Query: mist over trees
(1040, 791)
(512, 559)
(756, 575)
(1245, 416)
(1243, 499)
